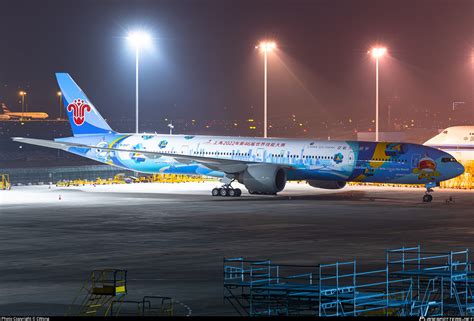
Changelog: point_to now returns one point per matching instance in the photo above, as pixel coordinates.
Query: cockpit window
(448, 159)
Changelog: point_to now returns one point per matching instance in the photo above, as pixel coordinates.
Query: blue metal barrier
(413, 283)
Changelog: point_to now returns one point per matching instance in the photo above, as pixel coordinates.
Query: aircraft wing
(229, 166)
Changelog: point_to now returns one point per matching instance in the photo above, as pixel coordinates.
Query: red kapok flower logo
(78, 107)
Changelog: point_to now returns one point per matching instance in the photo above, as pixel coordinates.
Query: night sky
(204, 65)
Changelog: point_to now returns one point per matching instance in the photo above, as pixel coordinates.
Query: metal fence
(412, 283)
(45, 175)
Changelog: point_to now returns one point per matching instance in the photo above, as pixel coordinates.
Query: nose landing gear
(429, 189)
(427, 198)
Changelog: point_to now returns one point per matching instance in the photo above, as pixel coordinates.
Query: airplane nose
(458, 169)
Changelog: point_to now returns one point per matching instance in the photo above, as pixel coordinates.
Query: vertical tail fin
(83, 116)
(5, 108)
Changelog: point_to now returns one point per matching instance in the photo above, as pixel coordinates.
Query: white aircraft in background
(456, 140)
(21, 115)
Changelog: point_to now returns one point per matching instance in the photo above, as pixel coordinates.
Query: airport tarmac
(172, 237)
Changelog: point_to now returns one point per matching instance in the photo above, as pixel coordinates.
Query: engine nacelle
(326, 184)
(263, 178)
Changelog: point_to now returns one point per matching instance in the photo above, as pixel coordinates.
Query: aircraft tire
(215, 192)
(231, 192)
(238, 192)
(427, 198)
(223, 192)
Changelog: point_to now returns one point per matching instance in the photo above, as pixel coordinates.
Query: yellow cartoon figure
(426, 169)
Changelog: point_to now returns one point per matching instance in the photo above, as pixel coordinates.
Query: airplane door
(351, 158)
(415, 160)
(259, 157)
(185, 149)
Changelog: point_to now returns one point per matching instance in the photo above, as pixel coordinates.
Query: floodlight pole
(60, 104)
(22, 93)
(265, 94)
(136, 89)
(377, 99)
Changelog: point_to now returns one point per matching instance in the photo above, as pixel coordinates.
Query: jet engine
(326, 184)
(263, 179)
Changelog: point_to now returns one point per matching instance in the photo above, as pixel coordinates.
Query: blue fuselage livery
(262, 165)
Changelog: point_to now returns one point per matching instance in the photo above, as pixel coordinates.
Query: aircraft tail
(83, 116)
(5, 108)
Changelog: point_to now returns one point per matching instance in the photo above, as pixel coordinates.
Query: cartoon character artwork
(426, 169)
(102, 154)
(138, 157)
(163, 144)
(394, 149)
(338, 158)
(369, 170)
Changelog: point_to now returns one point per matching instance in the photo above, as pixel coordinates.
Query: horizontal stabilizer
(45, 143)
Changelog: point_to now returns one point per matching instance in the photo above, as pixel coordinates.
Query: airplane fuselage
(402, 163)
(26, 115)
(456, 140)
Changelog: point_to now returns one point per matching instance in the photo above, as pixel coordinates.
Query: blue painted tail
(83, 116)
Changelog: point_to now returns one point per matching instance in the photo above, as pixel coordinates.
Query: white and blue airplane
(262, 165)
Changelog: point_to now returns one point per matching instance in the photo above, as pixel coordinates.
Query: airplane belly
(317, 174)
(164, 165)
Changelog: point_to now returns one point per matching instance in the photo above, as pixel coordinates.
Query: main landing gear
(226, 190)
(429, 189)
